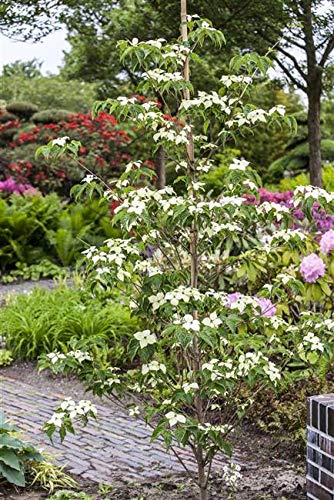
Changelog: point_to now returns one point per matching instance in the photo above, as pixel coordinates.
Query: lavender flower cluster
(321, 220)
(267, 308)
(313, 267)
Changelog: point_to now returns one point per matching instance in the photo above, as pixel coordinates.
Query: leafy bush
(104, 149)
(35, 272)
(23, 110)
(5, 357)
(44, 321)
(52, 116)
(296, 160)
(290, 183)
(15, 455)
(48, 92)
(6, 117)
(286, 415)
(39, 233)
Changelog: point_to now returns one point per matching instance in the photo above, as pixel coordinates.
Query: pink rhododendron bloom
(327, 242)
(312, 268)
(233, 297)
(267, 307)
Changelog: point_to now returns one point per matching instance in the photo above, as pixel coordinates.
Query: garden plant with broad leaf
(222, 319)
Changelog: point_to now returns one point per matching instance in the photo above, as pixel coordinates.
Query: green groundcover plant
(220, 325)
(66, 319)
(21, 462)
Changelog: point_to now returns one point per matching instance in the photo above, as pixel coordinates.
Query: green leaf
(207, 338)
(10, 458)
(13, 476)
(325, 288)
(10, 442)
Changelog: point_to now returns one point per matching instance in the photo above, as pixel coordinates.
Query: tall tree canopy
(301, 32)
(95, 28)
(305, 55)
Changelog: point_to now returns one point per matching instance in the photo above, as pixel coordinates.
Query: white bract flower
(61, 141)
(126, 100)
(248, 362)
(145, 338)
(239, 165)
(189, 386)
(276, 209)
(134, 411)
(287, 235)
(89, 178)
(272, 371)
(316, 344)
(175, 418)
(54, 357)
(157, 300)
(228, 80)
(207, 101)
(257, 115)
(280, 109)
(191, 17)
(56, 419)
(80, 356)
(153, 366)
(189, 323)
(212, 320)
(160, 75)
(302, 193)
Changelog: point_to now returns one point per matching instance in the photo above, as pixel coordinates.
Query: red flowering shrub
(106, 149)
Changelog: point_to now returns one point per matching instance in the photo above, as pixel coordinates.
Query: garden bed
(270, 468)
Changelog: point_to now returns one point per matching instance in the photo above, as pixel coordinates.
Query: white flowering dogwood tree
(209, 343)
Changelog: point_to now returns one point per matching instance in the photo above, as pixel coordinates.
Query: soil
(271, 470)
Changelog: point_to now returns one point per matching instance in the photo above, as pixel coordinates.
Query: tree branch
(294, 61)
(329, 48)
(288, 73)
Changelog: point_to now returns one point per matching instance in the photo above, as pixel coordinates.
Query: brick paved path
(115, 447)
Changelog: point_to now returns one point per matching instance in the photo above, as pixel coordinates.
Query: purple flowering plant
(11, 186)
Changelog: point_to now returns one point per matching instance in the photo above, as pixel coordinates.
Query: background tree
(95, 27)
(29, 19)
(25, 69)
(304, 54)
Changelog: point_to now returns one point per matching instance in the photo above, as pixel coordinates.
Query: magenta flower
(267, 307)
(327, 241)
(233, 297)
(312, 268)
(11, 186)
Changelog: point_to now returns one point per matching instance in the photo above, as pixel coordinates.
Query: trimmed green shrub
(45, 321)
(22, 109)
(7, 117)
(52, 116)
(290, 183)
(296, 161)
(49, 92)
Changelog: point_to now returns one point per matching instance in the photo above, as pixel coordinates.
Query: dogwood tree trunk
(193, 244)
